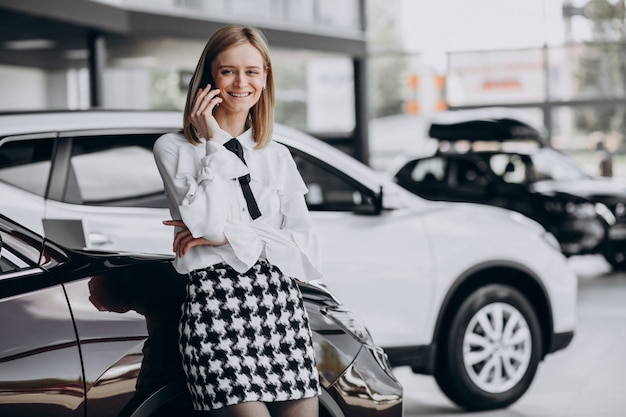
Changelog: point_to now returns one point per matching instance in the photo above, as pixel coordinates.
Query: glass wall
(582, 86)
(481, 78)
(314, 91)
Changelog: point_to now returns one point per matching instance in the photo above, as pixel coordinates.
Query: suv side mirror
(372, 205)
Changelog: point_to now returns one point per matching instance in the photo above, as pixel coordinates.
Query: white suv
(476, 296)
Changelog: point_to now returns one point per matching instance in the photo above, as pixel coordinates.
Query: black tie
(235, 147)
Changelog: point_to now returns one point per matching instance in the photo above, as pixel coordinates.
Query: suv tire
(491, 350)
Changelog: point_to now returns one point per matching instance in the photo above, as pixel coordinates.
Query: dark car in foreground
(508, 163)
(95, 334)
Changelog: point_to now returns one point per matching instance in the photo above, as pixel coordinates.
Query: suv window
(328, 189)
(117, 171)
(26, 164)
(429, 170)
(511, 168)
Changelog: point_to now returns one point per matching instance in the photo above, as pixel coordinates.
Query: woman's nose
(240, 80)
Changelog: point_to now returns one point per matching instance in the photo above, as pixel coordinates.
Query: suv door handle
(99, 239)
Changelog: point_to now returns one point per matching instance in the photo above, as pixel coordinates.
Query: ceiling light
(29, 44)
(76, 54)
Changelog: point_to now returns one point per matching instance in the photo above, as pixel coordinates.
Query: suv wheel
(490, 353)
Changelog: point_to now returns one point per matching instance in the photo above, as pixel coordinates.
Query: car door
(25, 163)
(376, 261)
(40, 366)
(107, 194)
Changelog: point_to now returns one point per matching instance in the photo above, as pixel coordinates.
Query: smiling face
(239, 72)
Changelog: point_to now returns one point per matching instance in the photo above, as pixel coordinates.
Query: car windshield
(551, 165)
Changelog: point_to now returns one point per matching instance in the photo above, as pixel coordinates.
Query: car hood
(594, 189)
(396, 197)
(496, 216)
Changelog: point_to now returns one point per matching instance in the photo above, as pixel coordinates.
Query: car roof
(39, 122)
(487, 124)
(74, 120)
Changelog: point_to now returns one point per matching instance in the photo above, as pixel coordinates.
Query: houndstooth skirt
(246, 337)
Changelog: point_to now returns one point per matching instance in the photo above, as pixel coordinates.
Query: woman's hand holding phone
(202, 113)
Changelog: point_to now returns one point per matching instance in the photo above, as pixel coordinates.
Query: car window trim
(14, 259)
(58, 172)
(62, 187)
(343, 176)
(52, 135)
(30, 136)
(22, 273)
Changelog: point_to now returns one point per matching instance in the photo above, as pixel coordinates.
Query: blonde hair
(261, 115)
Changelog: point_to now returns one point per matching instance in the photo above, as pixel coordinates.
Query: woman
(242, 231)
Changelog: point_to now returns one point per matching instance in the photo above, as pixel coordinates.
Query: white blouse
(203, 191)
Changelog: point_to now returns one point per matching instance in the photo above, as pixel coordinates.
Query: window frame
(373, 200)
(53, 137)
(64, 186)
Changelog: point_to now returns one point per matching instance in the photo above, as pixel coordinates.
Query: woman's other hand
(183, 241)
(201, 115)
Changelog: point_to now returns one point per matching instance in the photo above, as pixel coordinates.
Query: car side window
(510, 168)
(329, 190)
(9, 260)
(26, 164)
(432, 170)
(116, 170)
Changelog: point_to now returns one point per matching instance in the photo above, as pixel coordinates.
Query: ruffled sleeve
(198, 184)
(204, 208)
(245, 246)
(294, 247)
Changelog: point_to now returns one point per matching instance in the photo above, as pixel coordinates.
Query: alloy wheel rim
(497, 347)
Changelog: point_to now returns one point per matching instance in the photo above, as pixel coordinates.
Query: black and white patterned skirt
(246, 337)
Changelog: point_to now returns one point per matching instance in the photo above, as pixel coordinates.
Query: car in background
(506, 162)
(476, 296)
(96, 334)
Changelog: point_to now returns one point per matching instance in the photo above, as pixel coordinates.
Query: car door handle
(99, 239)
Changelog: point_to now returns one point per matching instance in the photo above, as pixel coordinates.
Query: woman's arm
(196, 187)
(183, 241)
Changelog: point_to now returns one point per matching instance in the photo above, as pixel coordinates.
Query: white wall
(22, 88)
(126, 88)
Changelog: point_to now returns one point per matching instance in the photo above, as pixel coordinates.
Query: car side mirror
(372, 205)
